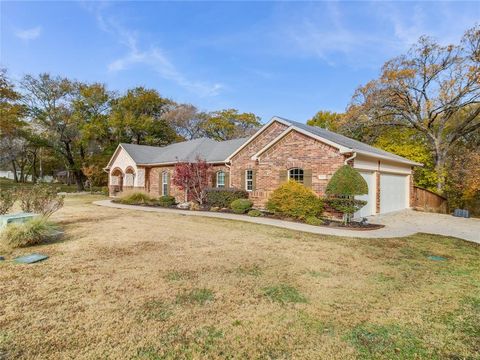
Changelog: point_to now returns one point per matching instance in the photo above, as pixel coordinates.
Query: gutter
(229, 174)
(345, 162)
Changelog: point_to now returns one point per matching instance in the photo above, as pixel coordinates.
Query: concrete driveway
(407, 222)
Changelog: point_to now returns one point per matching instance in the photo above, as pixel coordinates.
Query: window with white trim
(220, 179)
(296, 174)
(164, 183)
(249, 180)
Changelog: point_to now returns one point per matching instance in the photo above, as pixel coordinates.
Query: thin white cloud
(334, 33)
(29, 34)
(154, 57)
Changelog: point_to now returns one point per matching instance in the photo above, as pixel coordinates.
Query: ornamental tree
(193, 178)
(342, 188)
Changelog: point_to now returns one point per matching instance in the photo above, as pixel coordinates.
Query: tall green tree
(230, 124)
(137, 117)
(13, 127)
(433, 89)
(327, 120)
(51, 111)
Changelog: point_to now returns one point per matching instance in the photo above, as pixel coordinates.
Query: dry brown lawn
(135, 285)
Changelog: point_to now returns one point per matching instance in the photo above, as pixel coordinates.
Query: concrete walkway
(399, 224)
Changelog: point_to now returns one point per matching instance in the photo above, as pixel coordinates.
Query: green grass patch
(195, 296)
(284, 293)
(313, 325)
(156, 310)
(253, 270)
(10, 184)
(178, 275)
(387, 342)
(464, 323)
(177, 344)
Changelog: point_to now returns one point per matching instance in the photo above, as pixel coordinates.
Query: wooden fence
(426, 200)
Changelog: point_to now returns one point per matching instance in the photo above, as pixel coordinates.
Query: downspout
(350, 158)
(229, 175)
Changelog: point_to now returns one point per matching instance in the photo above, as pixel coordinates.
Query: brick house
(281, 150)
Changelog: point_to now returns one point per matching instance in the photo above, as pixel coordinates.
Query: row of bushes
(39, 199)
(141, 198)
(291, 199)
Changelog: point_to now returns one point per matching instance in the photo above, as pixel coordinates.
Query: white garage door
(369, 208)
(393, 192)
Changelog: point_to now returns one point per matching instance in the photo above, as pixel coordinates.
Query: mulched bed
(354, 225)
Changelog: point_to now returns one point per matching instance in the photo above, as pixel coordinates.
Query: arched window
(220, 179)
(296, 174)
(164, 183)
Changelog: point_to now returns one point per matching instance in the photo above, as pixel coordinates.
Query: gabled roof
(351, 144)
(186, 151)
(341, 142)
(222, 151)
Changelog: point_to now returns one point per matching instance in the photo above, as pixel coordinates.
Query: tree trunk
(15, 176)
(77, 172)
(440, 160)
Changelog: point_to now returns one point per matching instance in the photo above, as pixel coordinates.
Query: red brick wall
(294, 150)
(154, 177)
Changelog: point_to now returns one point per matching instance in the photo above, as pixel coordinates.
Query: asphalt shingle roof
(207, 149)
(218, 151)
(346, 141)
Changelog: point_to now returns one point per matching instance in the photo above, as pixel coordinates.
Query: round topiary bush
(293, 199)
(347, 182)
(241, 206)
(342, 188)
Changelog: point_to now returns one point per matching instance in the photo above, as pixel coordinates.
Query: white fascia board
(291, 128)
(119, 146)
(272, 120)
(367, 153)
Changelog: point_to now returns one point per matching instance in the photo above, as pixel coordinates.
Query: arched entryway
(116, 180)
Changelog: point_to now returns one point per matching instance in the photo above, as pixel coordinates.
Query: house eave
(373, 155)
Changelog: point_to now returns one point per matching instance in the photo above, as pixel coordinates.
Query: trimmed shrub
(29, 233)
(292, 199)
(166, 201)
(254, 213)
(137, 198)
(40, 199)
(342, 188)
(241, 206)
(223, 197)
(347, 181)
(7, 199)
(312, 220)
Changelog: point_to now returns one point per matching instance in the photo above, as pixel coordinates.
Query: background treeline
(424, 105)
(53, 123)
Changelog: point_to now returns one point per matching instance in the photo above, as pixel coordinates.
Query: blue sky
(272, 58)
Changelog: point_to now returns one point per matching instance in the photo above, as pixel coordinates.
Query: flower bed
(331, 223)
